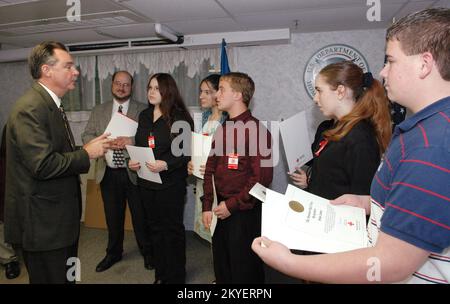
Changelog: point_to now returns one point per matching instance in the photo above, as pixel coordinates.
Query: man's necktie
(118, 157)
(67, 127)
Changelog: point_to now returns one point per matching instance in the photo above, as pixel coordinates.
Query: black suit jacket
(42, 209)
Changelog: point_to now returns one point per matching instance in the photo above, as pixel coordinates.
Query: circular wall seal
(330, 54)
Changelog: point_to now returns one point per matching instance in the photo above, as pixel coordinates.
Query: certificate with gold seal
(303, 221)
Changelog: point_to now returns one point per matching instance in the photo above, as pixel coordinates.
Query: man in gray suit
(119, 185)
(43, 197)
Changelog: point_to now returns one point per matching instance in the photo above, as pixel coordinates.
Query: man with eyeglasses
(117, 184)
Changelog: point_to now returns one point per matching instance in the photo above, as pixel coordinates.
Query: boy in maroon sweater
(240, 158)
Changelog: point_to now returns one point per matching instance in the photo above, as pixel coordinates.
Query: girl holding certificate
(347, 149)
(164, 203)
(212, 118)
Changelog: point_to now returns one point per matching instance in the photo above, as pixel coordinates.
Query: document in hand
(201, 145)
(303, 221)
(296, 143)
(212, 228)
(143, 155)
(121, 125)
(258, 191)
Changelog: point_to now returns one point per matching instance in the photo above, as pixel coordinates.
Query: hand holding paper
(144, 155)
(201, 145)
(299, 178)
(258, 191)
(120, 142)
(271, 252)
(156, 166)
(134, 165)
(360, 201)
(121, 125)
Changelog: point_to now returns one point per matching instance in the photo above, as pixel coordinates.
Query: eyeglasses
(119, 84)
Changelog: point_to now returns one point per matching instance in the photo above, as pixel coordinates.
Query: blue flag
(224, 67)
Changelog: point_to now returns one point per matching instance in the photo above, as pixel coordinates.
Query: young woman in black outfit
(347, 149)
(164, 203)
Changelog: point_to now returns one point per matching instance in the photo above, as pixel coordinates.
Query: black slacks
(234, 260)
(117, 189)
(164, 209)
(50, 267)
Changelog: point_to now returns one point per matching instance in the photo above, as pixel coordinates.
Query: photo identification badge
(233, 161)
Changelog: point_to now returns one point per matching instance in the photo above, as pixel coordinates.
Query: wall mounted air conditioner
(248, 38)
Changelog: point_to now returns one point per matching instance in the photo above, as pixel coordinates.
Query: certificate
(212, 228)
(258, 191)
(201, 145)
(303, 221)
(121, 125)
(143, 155)
(296, 142)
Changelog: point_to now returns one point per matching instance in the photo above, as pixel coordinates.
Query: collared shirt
(410, 192)
(115, 108)
(124, 105)
(233, 185)
(55, 98)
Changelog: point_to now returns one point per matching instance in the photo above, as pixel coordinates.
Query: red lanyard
(322, 145)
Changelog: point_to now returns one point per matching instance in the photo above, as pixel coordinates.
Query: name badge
(233, 161)
(151, 141)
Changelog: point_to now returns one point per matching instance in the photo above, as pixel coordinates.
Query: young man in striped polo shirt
(409, 227)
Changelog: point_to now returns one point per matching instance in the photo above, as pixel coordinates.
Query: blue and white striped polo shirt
(411, 190)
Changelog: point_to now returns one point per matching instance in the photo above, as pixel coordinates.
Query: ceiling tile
(206, 26)
(140, 30)
(238, 7)
(176, 10)
(64, 37)
(331, 19)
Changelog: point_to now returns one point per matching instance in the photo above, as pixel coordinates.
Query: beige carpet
(131, 269)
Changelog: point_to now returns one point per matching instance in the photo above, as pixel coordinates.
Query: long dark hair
(371, 102)
(171, 101)
(212, 81)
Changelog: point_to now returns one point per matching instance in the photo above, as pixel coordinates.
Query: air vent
(157, 42)
(50, 16)
(97, 46)
(120, 44)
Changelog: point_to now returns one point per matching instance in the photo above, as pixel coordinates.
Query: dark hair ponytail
(370, 97)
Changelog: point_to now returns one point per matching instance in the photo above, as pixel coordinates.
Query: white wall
(15, 79)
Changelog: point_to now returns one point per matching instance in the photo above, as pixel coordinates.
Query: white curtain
(187, 67)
